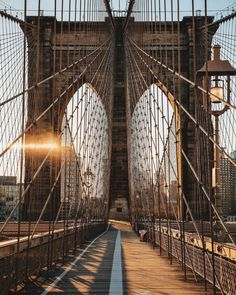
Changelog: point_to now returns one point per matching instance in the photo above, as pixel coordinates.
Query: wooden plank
(144, 272)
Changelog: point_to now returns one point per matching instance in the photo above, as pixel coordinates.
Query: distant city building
(169, 197)
(228, 185)
(9, 196)
(70, 182)
(174, 194)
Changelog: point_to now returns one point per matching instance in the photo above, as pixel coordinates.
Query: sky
(213, 5)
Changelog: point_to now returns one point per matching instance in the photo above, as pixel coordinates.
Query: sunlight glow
(39, 146)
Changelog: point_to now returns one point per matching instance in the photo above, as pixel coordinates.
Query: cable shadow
(90, 275)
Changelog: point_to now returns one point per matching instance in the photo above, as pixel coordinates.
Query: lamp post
(216, 73)
(88, 182)
(88, 177)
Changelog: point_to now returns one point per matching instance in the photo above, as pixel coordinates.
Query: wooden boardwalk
(102, 269)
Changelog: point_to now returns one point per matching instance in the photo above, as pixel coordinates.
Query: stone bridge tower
(118, 110)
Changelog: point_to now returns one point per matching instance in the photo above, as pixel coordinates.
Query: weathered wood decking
(143, 271)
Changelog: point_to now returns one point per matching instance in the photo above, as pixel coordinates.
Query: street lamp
(217, 73)
(88, 177)
(88, 182)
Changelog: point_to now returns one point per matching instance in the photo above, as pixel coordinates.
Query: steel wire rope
(212, 140)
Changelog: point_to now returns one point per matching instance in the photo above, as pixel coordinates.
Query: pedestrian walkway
(117, 263)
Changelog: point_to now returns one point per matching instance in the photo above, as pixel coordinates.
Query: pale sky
(213, 5)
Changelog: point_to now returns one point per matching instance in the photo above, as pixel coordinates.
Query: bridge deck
(117, 263)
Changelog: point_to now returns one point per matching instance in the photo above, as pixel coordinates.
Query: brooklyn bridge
(117, 147)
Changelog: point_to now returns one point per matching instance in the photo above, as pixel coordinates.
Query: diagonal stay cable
(57, 73)
(181, 76)
(49, 107)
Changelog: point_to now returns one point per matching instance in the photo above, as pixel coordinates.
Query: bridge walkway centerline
(116, 263)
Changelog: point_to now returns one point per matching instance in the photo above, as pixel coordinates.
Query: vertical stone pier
(119, 191)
